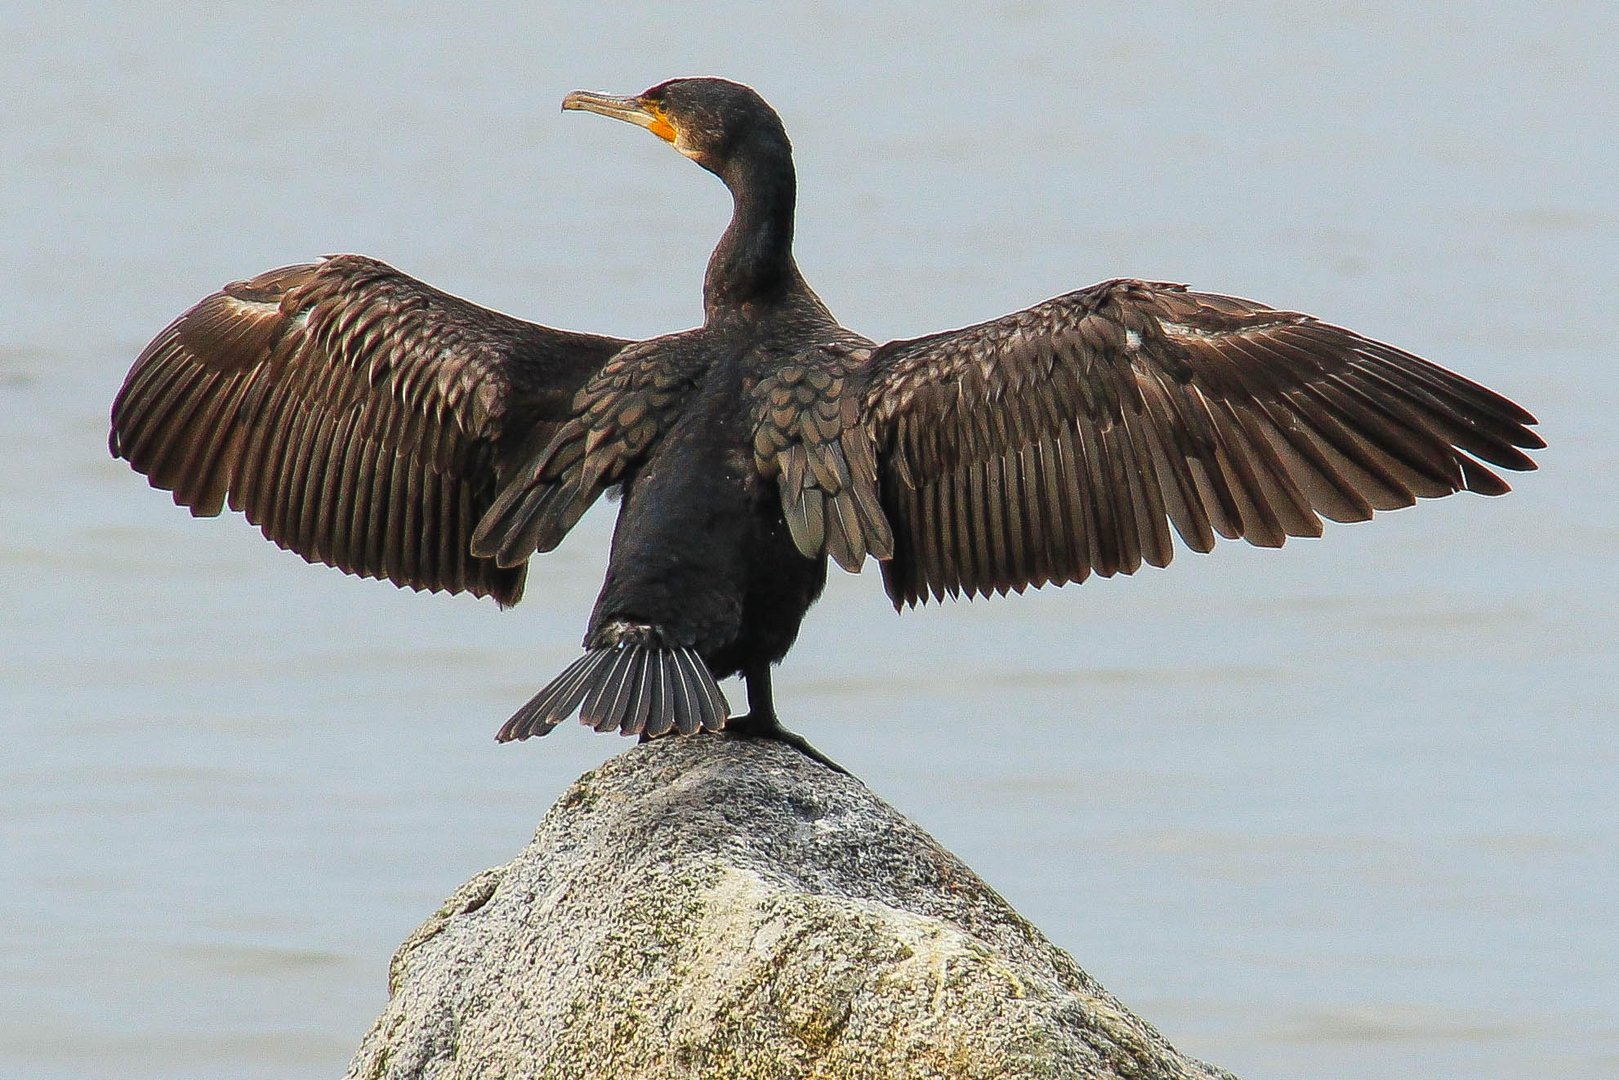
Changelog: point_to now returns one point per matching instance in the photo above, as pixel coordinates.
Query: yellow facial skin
(660, 125)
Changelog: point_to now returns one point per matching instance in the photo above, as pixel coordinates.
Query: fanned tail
(635, 687)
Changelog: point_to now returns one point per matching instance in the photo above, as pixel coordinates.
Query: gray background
(1346, 809)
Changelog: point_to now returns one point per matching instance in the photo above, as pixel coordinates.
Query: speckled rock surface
(719, 908)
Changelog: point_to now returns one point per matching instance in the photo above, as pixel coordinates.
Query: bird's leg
(761, 702)
(761, 722)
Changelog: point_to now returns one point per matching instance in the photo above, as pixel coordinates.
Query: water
(1347, 809)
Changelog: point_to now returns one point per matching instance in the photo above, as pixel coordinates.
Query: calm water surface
(1349, 809)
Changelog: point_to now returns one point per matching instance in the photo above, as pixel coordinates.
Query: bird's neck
(753, 262)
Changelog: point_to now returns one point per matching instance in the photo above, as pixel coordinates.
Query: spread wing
(359, 417)
(1066, 439)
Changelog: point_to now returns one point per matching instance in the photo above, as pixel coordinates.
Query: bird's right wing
(1063, 439)
(359, 417)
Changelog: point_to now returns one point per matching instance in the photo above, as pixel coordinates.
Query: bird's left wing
(1065, 439)
(358, 416)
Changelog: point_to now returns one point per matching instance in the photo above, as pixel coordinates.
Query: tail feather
(660, 709)
(602, 708)
(633, 718)
(556, 702)
(634, 686)
(689, 700)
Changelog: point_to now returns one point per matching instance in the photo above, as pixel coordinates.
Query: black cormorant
(366, 420)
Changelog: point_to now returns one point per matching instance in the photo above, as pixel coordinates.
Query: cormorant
(368, 421)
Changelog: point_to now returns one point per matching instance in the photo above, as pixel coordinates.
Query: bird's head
(712, 121)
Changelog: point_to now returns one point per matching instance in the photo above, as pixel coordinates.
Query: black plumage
(368, 421)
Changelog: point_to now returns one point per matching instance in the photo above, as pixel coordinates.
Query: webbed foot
(754, 726)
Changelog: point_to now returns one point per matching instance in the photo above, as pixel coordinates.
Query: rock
(715, 907)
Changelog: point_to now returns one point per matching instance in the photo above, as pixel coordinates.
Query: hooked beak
(632, 110)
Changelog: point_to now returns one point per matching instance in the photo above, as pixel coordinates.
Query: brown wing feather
(356, 415)
(617, 416)
(1065, 439)
(808, 436)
